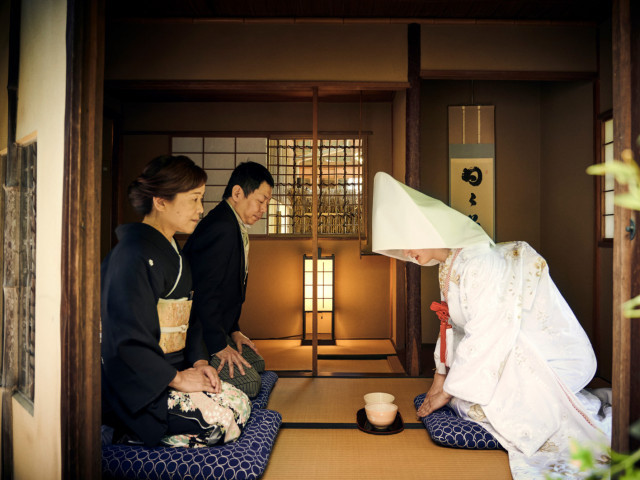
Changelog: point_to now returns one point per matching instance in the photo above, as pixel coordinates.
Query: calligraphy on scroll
(471, 163)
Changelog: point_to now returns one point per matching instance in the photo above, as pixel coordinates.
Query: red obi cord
(442, 311)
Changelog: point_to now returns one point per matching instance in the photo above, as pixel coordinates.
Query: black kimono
(141, 269)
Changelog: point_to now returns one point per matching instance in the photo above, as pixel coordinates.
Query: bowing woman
(157, 385)
(511, 354)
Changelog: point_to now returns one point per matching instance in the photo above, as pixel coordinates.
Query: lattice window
(340, 178)
(20, 269)
(340, 186)
(607, 182)
(28, 270)
(219, 156)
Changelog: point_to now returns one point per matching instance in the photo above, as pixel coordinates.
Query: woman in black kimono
(157, 385)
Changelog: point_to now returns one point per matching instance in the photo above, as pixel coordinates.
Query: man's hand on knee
(231, 357)
(241, 339)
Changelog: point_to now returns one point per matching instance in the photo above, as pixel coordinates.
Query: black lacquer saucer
(363, 424)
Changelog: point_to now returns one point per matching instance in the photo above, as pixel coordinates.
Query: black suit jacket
(216, 254)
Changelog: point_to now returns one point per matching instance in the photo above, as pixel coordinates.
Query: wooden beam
(80, 303)
(414, 317)
(530, 76)
(250, 91)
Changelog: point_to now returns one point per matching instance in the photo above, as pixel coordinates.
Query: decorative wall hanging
(472, 163)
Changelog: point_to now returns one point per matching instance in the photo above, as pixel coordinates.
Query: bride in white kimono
(511, 355)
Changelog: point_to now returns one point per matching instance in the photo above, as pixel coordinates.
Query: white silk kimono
(517, 358)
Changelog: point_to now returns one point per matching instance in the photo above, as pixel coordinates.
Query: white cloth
(518, 358)
(405, 219)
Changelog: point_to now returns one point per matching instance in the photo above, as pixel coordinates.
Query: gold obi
(174, 322)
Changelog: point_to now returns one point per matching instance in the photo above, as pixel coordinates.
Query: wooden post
(314, 232)
(414, 320)
(626, 252)
(80, 303)
(10, 246)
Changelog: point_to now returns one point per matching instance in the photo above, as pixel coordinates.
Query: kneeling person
(218, 251)
(157, 384)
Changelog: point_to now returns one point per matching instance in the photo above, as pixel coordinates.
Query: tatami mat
(352, 454)
(319, 438)
(337, 400)
(289, 355)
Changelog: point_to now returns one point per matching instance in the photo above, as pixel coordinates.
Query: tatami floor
(347, 356)
(319, 437)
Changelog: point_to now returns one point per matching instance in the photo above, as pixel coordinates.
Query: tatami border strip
(336, 426)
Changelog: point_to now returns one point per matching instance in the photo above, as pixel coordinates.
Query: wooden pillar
(314, 233)
(626, 252)
(10, 246)
(412, 179)
(634, 265)
(80, 303)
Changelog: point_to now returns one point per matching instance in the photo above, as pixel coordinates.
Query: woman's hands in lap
(201, 378)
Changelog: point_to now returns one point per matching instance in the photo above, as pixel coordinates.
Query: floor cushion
(246, 458)
(447, 429)
(269, 379)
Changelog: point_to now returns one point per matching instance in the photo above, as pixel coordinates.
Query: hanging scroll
(471, 163)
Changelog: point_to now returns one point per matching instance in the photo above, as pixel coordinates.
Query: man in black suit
(218, 251)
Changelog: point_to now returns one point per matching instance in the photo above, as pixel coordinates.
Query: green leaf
(627, 200)
(630, 309)
(583, 456)
(616, 167)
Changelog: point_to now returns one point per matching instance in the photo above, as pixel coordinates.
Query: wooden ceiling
(516, 10)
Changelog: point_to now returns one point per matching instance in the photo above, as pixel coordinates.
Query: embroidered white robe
(517, 356)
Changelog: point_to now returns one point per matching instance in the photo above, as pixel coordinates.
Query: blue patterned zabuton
(447, 429)
(269, 379)
(244, 459)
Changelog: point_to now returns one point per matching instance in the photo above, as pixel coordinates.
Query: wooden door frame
(626, 252)
(413, 308)
(80, 408)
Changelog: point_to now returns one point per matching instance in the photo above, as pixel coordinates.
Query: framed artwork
(472, 163)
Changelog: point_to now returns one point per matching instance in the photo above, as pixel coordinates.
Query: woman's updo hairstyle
(164, 177)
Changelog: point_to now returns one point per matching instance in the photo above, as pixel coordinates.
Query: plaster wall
(236, 51)
(567, 202)
(542, 194)
(518, 186)
(4, 70)
(41, 110)
(509, 48)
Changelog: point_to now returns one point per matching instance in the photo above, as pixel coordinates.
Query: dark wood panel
(412, 178)
(634, 274)
(8, 235)
(80, 302)
(626, 266)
